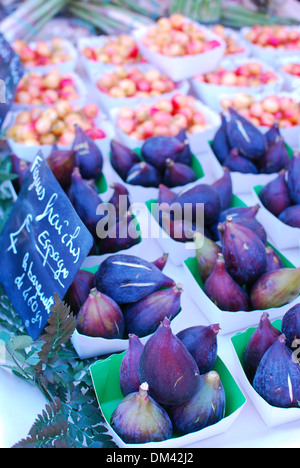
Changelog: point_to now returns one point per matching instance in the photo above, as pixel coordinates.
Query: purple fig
(237, 163)
(224, 189)
(273, 134)
(143, 318)
(245, 136)
(220, 144)
(203, 194)
(275, 159)
(168, 367)
(254, 225)
(139, 419)
(122, 158)
(263, 337)
(207, 252)
(62, 163)
(274, 261)
(120, 235)
(85, 201)
(178, 174)
(100, 316)
(79, 290)
(128, 278)
(179, 230)
(143, 174)
(291, 216)
(88, 156)
(244, 253)
(120, 199)
(291, 327)
(277, 379)
(274, 196)
(185, 156)
(276, 288)
(239, 211)
(165, 195)
(129, 371)
(201, 342)
(161, 262)
(225, 293)
(205, 408)
(293, 179)
(157, 149)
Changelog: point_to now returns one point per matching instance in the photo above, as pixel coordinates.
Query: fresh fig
(275, 159)
(165, 195)
(291, 216)
(293, 179)
(179, 230)
(224, 189)
(239, 211)
(88, 155)
(128, 279)
(120, 199)
(139, 419)
(129, 371)
(291, 327)
(274, 196)
(237, 163)
(178, 174)
(245, 136)
(244, 253)
(100, 316)
(254, 225)
(225, 293)
(185, 156)
(263, 337)
(157, 149)
(276, 288)
(274, 261)
(85, 201)
(201, 342)
(122, 158)
(205, 408)
(207, 252)
(143, 318)
(168, 367)
(120, 236)
(161, 261)
(277, 379)
(273, 134)
(79, 290)
(204, 194)
(62, 163)
(220, 144)
(143, 174)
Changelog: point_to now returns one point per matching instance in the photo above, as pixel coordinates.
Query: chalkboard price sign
(43, 245)
(11, 71)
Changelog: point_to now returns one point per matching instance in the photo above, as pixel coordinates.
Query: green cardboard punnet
(105, 376)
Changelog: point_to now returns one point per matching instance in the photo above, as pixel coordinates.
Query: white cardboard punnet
(79, 87)
(281, 235)
(212, 94)
(28, 152)
(108, 103)
(197, 140)
(229, 321)
(269, 54)
(63, 67)
(271, 415)
(182, 68)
